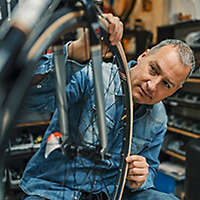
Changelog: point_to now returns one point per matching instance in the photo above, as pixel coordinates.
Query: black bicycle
(32, 34)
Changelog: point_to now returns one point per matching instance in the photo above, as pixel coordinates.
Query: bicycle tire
(127, 12)
(70, 21)
(122, 9)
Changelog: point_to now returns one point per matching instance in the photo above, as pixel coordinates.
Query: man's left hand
(137, 170)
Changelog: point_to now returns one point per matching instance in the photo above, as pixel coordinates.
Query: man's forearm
(79, 50)
(81, 53)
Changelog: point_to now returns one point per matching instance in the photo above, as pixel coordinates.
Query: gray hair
(184, 51)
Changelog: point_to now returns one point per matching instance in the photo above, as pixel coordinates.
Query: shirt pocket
(46, 85)
(139, 144)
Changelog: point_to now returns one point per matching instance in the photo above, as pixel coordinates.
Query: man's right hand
(79, 52)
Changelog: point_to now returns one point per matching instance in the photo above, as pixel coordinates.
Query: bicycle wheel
(85, 174)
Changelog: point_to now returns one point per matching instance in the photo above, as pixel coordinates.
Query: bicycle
(58, 18)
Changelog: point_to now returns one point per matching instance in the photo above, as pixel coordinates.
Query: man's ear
(142, 55)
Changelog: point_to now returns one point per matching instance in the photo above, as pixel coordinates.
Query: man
(158, 73)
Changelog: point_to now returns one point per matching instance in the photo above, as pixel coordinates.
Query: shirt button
(39, 86)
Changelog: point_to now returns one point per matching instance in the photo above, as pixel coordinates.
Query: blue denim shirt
(44, 176)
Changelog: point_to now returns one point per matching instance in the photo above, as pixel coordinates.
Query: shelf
(171, 153)
(193, 135)
(193, 80)
(33, 124)
(16, 155)
(184, 103)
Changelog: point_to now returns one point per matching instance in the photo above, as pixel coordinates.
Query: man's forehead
(169, 54)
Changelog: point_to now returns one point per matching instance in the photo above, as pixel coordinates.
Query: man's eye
(166, 84)
(153, 70)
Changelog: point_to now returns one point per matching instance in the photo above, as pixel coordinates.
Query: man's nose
(153, 84)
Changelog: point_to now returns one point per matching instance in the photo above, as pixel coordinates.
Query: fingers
(138, 178)
(137, 161)
(135, 158)
(137, 174)
(137, 170)
(115, 29)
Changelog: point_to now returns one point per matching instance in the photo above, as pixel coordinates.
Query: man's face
(157, 75)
